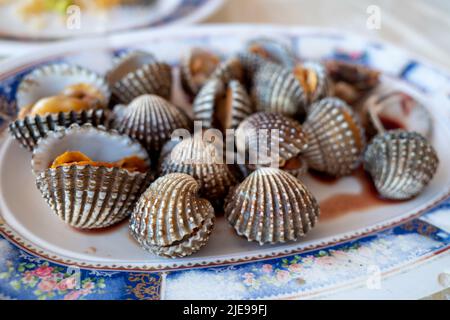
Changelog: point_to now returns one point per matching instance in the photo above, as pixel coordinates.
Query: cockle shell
(50, 80)
(86, 196)
(138, 73)
(170, 219)
(202, 160)
(276, 89)
(395, 110)
(250, 63)
(151, 120)
(273, 50)
(271, 206)
(228, 70)
(196, 68)
(322, 85)
(222, 105)
(273, 134)
(401, 163)
(336, 137)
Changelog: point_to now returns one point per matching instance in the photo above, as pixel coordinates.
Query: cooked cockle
(222, 105)
(196, 68)
(314, 79)
(88, 193)
(170, 219)
(271, 206)
(277, 89)
(336, 137)
(69, 158)
(138, 73)
(272, 50)
(204, 161)
(350, 81)
(401, 163)
(151, 120)
(271, 139)
(58, 95)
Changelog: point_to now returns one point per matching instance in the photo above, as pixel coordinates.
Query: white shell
(271, 206)
(86, 196)
(170, 219)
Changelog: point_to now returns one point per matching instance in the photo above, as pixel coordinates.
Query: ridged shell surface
(277, 90)
(29, 130)
(170, 219)
(271, 206)
(151, 120)
(336, 138)
(203, 161)
(263, 127)
(206, 104)
(137, 74)
(85, 196)
(401, 163)
(228, 70)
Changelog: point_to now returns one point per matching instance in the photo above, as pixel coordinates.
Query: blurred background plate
(20, 34)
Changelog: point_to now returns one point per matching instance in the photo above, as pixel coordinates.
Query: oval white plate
(56, 26)
(32, 224)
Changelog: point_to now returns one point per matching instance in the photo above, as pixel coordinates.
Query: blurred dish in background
(22, 20)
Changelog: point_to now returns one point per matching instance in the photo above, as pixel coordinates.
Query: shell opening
(307, 77)
(202, 65)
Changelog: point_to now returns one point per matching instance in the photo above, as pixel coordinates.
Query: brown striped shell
(170, 219)
(138, 73)
(203, 161)
(276, 89)
(257, 132)
(151, 120)
(228, 70)
(271, 206)
(222, 105)
(401, 163)
(196, 68)
(86, 196)
(336, 138)
(316, 81)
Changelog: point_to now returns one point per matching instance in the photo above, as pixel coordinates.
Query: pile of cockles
(102, 147)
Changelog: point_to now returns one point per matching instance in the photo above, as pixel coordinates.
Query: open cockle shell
(228, 70)
(271, 132)
(273, 50)
(196, 68)
(336, 137)
(395, 110)
(204, 162)
(317, 84)
(151, 120)
(51, 80)
(276, 89)
(271, 206)
(401, 163)
(87, 196)
(222, 105)
(170, 219)
(138, 73)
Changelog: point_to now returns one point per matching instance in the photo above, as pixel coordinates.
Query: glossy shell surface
(271, 206)
(151, 120)
(170, 219)
(336, 137)
(138, 73)
(401, 163)
(86, 196)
